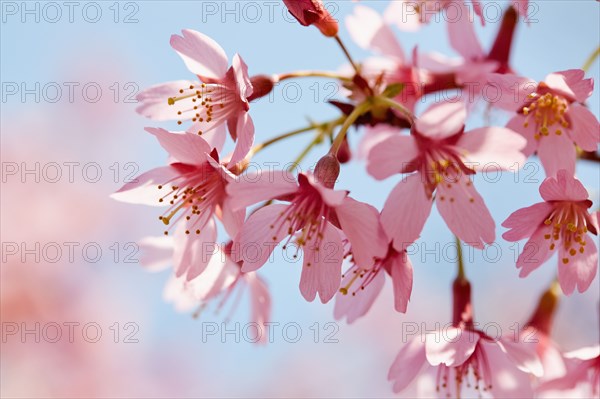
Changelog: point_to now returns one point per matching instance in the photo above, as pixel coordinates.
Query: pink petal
(260, 302)
(360, 224)
(405, 211)
(368, 30)
(245, 138)
(157, 253)
(214, 137)
(442, 120)
(258, 237)
(525, 221)
(232, 220)
(391, 155)
(450, 346)
(357, 302)
(571, 83)
(402, 280)
(322, 266)
(462, 35)
(581, 269)
(143, 189)
(493, 148)
(220, 273)
(202, 55)
(408, 364)
(535, 252)
(402, 13)
(555, 153)
(523, 355)
(507, 380)
(563, 187)
(464, 211)
(243, 85)
(517, 124)
(331, 197)
(512, 90)
(585, 129)
(373, 136)
(260, 185)
(192, 253)
(154, 100)
(186, 148)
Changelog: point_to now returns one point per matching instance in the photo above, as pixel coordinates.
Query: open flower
(552, 116)
(313, 12)
(443, 157)
(221, 279)
(464, 361)
(562, 224)
(220, 97)
(410, 15)
(315, 217)
(360, 287)
(193, 184)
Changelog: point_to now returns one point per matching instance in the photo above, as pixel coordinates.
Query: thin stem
(460, 274)
(590, 61)
(356, 113)
(347, 53)
(313, 74)
(262, 146)
(393, 104)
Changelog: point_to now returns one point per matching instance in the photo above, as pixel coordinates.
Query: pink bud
(313, 12)
(344, 153)
(327, 170)
(261, 85)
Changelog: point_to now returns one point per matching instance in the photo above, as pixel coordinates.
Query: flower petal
(523, 355)
(557, 152)
(517, 124)
(571, 83)
(464, 211)
(451, 346)
(581, 268)
(585, 129)
(402, 280)
(143, 189)
(523, 222)
(258, 237)
(563, 187)
(369, 31)
(391, 155)
(408, 364)
(260, 185)
(157, 253)
(493, 148)
(535, 252)
(260, 301)
(405, 211)
(357, 302)
(512, 90)
(202, 55)
(245, 138)
(154, 100)
(442, 120)
(360, 224)
(322, 265)
(186, 148)
(462, 35)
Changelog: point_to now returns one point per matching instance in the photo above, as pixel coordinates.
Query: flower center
(567, 223)
(474, 373)
(200, 102)
(194, 196)
(547, 112)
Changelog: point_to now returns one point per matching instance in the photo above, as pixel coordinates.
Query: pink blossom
(443, 157)
(221, 96)
(360, 287)
(561, 223)
(221, 280)
(193, 184)
(313, 12)
(461, 358)
(552, 116)
(315, 217)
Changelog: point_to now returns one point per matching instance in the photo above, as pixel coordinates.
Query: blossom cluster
(349, 248)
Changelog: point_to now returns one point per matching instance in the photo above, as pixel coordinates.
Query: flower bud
(462, 310)
(327, 170)
(262, 85)
(313, 12)
(344, 153)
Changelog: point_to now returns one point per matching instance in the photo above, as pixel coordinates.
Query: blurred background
(80, 316)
